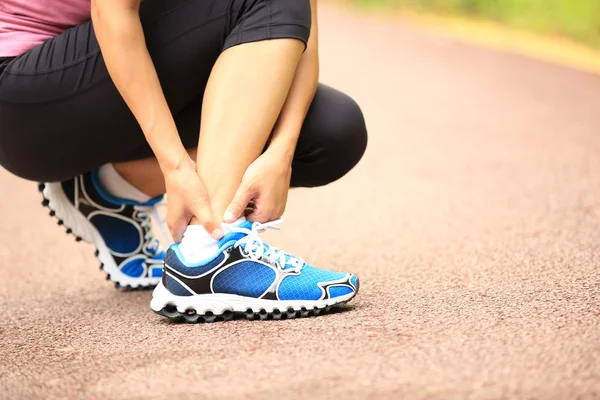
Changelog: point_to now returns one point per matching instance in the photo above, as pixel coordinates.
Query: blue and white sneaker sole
(223, 307)
(77, 224)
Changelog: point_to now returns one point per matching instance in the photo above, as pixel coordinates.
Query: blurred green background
(578, 20)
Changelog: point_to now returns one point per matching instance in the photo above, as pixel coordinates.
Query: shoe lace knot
(253, 246)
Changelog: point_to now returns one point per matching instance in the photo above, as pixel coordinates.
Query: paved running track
(473, 222)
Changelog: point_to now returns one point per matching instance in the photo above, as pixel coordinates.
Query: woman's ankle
(143, 175)
(116, 185)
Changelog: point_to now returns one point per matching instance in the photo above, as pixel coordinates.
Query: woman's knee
(346, 140)
(12, 156)
(26, 167)
(354, 131)
(338, 140)
(30, 159)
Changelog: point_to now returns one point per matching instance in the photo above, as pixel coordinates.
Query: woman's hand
(187, 198)
(264, 187)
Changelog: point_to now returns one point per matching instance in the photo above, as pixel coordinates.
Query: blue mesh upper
(247, 278)
(234, 236)
(134, 268)
(337, 291)
(156, 272)
(175, 287)
(304, 286)
(173, 261)
(119, 235)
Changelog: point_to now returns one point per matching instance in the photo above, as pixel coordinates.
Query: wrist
(167, 147)
(176, 160)
(283, 149)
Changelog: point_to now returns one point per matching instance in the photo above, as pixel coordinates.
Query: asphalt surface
(473, 222)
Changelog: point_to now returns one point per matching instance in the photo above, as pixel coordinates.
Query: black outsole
(69, 231)
(190, 316)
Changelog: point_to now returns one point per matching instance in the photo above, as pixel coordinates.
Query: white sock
(117, 186)
(198, 245)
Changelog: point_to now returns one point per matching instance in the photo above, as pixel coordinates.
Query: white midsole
(218, 303)
(82, 227)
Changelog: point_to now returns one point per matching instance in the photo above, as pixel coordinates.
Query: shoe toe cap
(344, 289)
(355, 282)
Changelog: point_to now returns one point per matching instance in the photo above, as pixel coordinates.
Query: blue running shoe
(247, 277)
(120, 229)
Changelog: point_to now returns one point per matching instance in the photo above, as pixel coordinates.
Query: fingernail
(217, 233)
(228, 216)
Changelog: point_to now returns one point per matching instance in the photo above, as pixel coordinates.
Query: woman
(102, 102)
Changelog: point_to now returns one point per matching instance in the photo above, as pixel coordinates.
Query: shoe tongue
(245, 224)
(235, 236)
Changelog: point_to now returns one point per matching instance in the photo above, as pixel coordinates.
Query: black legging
(61, 115)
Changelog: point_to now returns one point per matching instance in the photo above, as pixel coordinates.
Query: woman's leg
(243, 99)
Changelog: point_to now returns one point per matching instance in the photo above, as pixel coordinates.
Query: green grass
(575, 19)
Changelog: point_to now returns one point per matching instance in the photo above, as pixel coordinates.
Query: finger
(279, 213)
(177, 227)
(261, 213)
(239, 203)
(258, 217)
(203, 212)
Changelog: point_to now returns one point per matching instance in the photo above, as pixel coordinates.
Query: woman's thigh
(60, 113)
(332, 141)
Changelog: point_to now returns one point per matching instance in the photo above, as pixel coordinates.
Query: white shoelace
(145, 214)
(254, 247)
